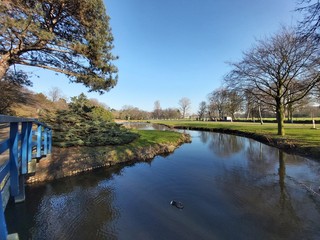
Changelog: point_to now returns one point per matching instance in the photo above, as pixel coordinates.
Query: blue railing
(21, 140)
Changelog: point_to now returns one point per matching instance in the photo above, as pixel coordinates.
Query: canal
(231, 188)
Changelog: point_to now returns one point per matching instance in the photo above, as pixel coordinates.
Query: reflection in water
(222, 144)
(231, 187)
(282, 173)
(287, 211)
(80, 207)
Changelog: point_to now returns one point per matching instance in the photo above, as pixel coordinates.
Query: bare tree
(202, 110)
(170, 113)
(55, 94)
(283, 62)
(218, 102)
(157, 109)
(234, 102)
(185, 105)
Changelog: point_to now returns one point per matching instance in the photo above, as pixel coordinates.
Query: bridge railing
(21, 141)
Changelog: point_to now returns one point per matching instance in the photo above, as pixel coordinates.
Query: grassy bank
(73, 160)
(299, 138)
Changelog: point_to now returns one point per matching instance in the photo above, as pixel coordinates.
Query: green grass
(301, 134)
(148, 137)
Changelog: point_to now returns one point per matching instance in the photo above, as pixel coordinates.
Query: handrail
(9, 119)
(28, 139)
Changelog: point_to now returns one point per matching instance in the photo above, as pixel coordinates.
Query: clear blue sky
(171, 49)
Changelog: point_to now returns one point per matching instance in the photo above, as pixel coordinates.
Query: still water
(231, 188)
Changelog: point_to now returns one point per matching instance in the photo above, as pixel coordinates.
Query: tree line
(133, 113)
(277, 74)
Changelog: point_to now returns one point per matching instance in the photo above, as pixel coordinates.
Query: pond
(231, 188)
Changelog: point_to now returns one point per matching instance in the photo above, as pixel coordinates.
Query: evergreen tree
(84, 124)
(72, 37)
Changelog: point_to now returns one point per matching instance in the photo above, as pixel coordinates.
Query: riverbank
(65, 162)
(300, 139)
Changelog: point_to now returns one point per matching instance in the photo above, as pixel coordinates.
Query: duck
(177, 204)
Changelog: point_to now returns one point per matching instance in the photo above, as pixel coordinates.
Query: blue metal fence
(23, 139)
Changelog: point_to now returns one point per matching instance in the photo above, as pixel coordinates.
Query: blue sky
(171, 49)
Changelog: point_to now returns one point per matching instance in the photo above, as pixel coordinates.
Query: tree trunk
(280, 117)
(260, 115)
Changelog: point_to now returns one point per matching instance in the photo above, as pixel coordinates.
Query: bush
(83, 125)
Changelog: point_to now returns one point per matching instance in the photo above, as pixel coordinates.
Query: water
(231, 188)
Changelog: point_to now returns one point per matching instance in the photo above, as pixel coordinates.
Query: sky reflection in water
(231, 188)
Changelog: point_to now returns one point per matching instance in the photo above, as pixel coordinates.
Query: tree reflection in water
(232, 188)
(221, 144)
(79, 207)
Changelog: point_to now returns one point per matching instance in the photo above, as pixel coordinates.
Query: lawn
(302, 134)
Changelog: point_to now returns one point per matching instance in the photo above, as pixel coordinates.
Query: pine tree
(72, 37)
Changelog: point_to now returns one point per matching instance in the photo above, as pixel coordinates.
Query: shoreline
(312, 153)
(65, 162)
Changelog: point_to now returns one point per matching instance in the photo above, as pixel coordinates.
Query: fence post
(50, 141)
(24, 147)
(45, 141)
(30, 143)
(39, 140)
(3, 225)
(14, 166)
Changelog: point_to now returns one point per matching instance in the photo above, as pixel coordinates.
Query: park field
(297, 135)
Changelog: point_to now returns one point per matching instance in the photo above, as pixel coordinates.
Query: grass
(156, 137)
(301, 134)
(147, 140)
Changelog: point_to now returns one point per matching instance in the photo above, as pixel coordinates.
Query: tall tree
(72, 37)
(157, 110)
(202, 110)
(234, 102)
(283, 68)
(218, 102)
(185, 105)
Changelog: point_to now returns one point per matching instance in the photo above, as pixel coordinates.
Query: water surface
(231, 188)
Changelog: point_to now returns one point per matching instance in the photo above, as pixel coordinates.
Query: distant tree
(218, 101)
(55, 94)
(157, 110)
(72, 37)
(212, 111)
(202, 110)
(249, 100)
(185, 105)
(234, 102)
(170, 113)
(12, 91)
(274, 66)
(96, 102)
(129, 112)
(291, 107)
